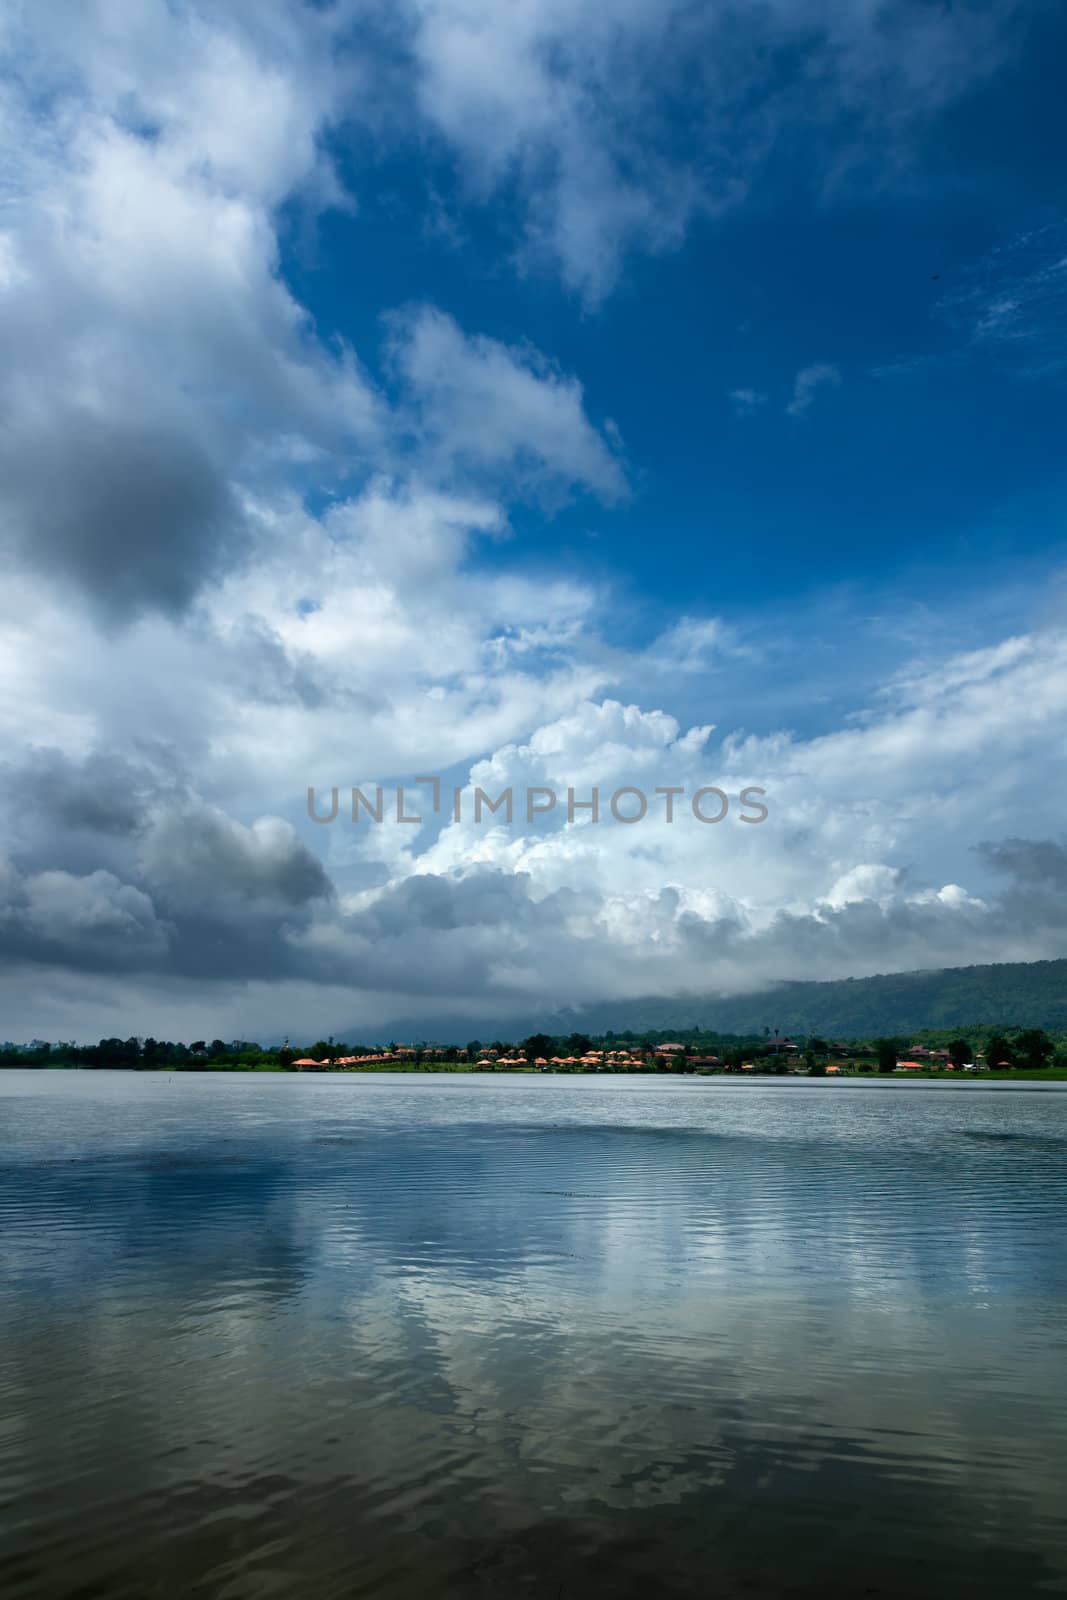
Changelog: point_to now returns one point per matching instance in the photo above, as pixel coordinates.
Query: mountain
(1011, 994)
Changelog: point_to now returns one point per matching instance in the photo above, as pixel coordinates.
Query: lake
(366, 1335)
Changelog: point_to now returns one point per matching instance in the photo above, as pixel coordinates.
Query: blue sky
(556, 393)
(929, 463)
(935, 450)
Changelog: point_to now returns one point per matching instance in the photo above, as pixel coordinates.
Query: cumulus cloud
(134, 516)
(183, 880)
(201, 858)
(481, 404)
(844, 877)
(100, 795)
(92, 922)
(161, 382)
(154, 360)
(864, 864)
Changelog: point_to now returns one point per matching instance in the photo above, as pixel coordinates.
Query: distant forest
(1024, 994)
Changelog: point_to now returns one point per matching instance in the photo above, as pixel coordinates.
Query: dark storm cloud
(469, 933)
(200, 857)
(117, 865)
(134, 515)
(106, 793)
(1041, 862)
(93, 922)
(180, 848)
(444, 904)
(1036, 892)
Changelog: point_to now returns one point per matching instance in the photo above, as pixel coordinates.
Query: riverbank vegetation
(991, 1052)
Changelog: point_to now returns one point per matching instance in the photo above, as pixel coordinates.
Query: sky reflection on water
(266, 1336)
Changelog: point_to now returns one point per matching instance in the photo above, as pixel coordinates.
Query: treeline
(1028, 1048)
(1022, 1049)
(154, 1054)
(1025, 1049)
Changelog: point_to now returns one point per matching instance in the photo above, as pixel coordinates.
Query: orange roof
(913, 1066)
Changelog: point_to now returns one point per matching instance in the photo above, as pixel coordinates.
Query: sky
(563, 396)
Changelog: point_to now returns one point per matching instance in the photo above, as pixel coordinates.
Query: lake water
(475, 1336)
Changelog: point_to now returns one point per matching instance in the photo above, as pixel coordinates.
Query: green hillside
(1023, 994)
(1016, 994)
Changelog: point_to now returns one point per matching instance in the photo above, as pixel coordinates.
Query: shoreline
(1053, 1075)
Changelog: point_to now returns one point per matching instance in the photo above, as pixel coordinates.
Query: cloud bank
(245, 556)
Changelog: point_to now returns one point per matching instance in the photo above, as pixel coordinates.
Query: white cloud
(162, 387)
(153, 357)
(808, 382)
(483, 405)
(578, 104)
(867, 881)
(865, 864)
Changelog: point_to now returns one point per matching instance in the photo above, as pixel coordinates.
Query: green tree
(960, 1052)
(815, 1067)
(998, 1049)
(888, 1055)
(579, 1044)
(538, 1044)
(1033, 1047)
